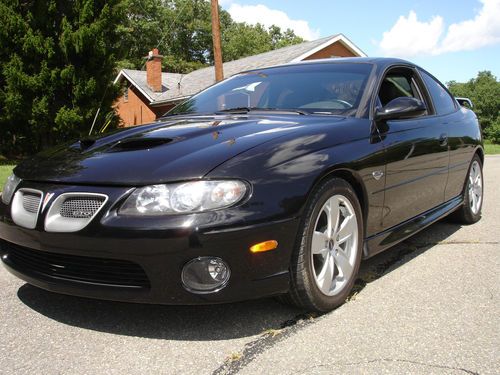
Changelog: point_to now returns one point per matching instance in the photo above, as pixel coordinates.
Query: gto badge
(81, 214)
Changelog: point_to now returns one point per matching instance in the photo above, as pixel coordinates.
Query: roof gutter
(170, 101)
(125, 75)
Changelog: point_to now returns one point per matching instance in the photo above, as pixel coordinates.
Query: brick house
(149, 94)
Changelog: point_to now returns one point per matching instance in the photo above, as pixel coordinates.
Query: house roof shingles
(178, 86)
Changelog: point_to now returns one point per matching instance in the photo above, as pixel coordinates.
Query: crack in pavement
(378, 360)
(267, 340)
(264, 342)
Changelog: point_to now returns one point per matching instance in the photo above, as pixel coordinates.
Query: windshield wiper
(327, 113)
(249, 109)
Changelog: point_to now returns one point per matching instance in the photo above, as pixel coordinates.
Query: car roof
(381, 62)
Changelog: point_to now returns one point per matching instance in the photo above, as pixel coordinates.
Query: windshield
(306, 89)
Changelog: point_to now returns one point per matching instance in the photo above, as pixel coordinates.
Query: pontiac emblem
(46, 200)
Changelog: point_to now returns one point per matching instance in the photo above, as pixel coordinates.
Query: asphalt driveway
(430, 305)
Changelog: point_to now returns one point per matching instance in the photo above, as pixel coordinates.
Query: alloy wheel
(334, 245)
(475, 187)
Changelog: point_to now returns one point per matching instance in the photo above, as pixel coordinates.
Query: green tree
(182, 30)
(241, 40)
(484, 91)
(57, 60)
(146, 24)
(282, 39)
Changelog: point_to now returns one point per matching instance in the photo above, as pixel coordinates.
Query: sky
(452, 39)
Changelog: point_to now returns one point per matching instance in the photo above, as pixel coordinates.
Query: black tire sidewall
(311, 292)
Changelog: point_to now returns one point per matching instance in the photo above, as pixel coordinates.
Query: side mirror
(465, 102)
(402, 107)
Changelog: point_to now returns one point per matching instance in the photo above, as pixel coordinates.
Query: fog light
(205, 275)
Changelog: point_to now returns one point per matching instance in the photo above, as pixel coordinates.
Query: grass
(5, 171)
(491, 148)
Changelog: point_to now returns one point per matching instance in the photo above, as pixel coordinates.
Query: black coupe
(276, 181)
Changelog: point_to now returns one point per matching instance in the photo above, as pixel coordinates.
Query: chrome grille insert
(72, 212)
(31, 202)
(81, 207)
(25, 207)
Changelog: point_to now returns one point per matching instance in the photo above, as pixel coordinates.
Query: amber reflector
(264, 246)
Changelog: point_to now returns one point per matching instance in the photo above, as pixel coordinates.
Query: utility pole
(219, 74)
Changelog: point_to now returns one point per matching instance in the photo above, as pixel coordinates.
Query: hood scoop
(85, 143)
(135, 144)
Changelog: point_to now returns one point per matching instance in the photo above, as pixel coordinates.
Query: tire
(470, 211)
(328, 248)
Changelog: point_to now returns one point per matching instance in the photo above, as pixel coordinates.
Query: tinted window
(443, 102)
(313, 88)
(394, 86)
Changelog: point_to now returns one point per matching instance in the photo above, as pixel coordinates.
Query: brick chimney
(153, 70)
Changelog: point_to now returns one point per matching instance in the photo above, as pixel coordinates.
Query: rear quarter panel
(464, 139)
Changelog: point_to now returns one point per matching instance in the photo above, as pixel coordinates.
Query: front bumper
(160, 247)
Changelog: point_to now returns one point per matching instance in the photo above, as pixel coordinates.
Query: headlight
(9, 188)
(196, 196)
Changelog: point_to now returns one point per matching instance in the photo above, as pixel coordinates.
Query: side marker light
(264, 246)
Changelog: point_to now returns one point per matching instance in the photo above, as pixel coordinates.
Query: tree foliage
(57, 59)
(182, 30)
(484, 91)
(241, 40)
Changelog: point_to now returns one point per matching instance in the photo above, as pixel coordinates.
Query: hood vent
(134, 144)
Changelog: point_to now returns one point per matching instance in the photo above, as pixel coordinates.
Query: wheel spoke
(478, 200)
(477, 190)
(333, 213)
(347, 229)
(319, 243)
(325, 278)
(343, 264)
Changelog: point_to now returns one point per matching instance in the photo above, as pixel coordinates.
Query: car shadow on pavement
(214, 322)
(385, 262)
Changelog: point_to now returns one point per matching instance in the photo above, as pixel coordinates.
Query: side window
(443, 102)
(397, 83)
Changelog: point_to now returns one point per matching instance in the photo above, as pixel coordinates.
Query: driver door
(416, 153)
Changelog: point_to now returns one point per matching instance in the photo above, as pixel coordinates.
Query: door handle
(443, 139)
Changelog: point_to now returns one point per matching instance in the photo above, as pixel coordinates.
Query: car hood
(180, 148)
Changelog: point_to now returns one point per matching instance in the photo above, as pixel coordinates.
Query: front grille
(103, 271)
(81, 207)
(25, 206)
(31, 202)
(71, 212)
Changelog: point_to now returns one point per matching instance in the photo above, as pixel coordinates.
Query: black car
(277, 181)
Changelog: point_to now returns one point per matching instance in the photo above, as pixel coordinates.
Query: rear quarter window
(443, 102)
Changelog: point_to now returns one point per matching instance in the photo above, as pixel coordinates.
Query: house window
(125, 95)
